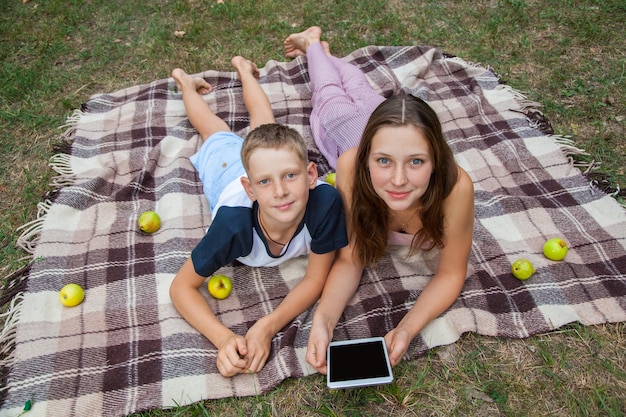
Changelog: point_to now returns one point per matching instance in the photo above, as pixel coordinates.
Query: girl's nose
(399, 176)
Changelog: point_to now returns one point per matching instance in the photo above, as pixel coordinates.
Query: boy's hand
(259, 340)
(397, 342)
(319, 338)
(231, 356)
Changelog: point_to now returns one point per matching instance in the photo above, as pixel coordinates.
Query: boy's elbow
(174, 290)
(177, 288)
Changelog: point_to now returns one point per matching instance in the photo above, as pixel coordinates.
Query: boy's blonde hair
(273, 135)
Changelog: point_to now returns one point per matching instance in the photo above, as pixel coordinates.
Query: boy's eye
(263, 182)
(291, 175)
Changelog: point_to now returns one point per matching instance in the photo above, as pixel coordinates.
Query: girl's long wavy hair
(369, 215)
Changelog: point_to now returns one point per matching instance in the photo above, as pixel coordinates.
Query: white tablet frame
(364, 382)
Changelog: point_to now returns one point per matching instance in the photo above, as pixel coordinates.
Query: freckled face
(280, 182)
(400, 166)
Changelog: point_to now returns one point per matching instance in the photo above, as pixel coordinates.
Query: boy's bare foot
(184, 80)
(244, 66)
(296, 43)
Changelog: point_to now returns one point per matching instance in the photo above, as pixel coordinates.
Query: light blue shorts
(218, 162)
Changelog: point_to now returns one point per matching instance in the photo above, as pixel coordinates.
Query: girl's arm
(342, 283)
(445, 287)
(343, 279)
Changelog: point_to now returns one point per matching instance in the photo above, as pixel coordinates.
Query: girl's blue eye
(383, 161)
(416, 161)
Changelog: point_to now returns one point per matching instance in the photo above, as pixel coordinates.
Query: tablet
(358, 363)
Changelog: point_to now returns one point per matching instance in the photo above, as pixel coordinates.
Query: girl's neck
(405, 222)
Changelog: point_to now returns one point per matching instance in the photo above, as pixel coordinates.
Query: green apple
(220, 286)
(330, 178)
(149, 221)
(71, 295)
(555, 249)
(522, 269)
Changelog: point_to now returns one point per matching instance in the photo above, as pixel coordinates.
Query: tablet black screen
(357, 361)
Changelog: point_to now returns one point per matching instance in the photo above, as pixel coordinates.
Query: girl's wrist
(411, 327)
(324, 321)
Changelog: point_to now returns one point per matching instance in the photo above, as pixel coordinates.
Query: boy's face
(280, 182)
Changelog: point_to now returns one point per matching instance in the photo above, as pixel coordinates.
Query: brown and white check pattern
(126, 348)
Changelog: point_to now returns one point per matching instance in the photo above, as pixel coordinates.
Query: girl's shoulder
(464, 184)
(459, 204)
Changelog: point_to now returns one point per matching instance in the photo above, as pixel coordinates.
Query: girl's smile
(398, 195)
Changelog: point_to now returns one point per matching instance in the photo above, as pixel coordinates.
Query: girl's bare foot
(326, 47)
(244, 66)
(184, 81)
(297, 43)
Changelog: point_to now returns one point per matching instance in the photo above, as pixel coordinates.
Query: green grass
(567, 55)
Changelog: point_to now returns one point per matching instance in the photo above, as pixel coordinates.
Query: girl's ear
(312, 173)
(247, 186)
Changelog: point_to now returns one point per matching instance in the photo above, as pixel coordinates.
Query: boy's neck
(268, 235)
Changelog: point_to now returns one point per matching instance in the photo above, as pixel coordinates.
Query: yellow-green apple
(330, 178)
(149, 221)
(555, 249)
(522, 269)
(71, 295)
(220, 286)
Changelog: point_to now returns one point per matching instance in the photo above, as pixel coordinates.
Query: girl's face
(400, 166)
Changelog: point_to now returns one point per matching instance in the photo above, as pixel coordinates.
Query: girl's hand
(319, 338)
(397, 342)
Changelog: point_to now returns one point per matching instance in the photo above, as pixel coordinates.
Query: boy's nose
(279, 189)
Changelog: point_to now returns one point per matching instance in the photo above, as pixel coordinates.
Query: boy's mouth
(283, 206)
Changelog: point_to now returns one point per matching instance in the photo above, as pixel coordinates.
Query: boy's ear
(247, 186)
(312, 173)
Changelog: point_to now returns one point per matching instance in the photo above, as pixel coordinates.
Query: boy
(267, 206)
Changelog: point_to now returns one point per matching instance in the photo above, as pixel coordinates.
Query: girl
(400, 185)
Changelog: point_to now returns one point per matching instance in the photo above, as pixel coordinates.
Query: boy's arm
(301, 297)
(193, 307)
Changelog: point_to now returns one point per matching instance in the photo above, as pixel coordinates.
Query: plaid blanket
(125, 348)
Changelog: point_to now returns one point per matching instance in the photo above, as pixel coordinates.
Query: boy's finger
(236, 359)
(229, 368)
(242, 347)
(254, 365)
